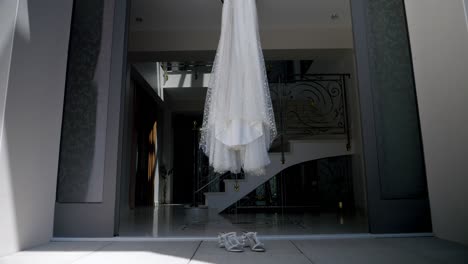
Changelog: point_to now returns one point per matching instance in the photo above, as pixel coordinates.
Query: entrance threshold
(265, 238)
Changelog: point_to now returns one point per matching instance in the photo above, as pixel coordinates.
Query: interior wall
(32, 91)
(439, 41)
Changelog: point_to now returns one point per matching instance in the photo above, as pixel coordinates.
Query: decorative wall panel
(82, 150)
(400, 156)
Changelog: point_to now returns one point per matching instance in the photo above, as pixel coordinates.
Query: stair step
(301, 150)
(214, 193)
(232, 180)
(317, 141)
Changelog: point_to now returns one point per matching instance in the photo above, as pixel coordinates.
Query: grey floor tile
(142, 253)
(272, 247)
(65, 247)
(277, 252)
(359, 251)
(132, 257)
(54, 253)
(432, 248)
(51, 259)
(258, 258)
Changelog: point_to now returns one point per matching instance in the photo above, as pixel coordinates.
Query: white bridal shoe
(230, 242)
(249, 239)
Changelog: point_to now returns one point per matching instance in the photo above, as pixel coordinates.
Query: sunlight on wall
(23, 28)
(466, 12)
(32, 82)
(7, 31)
(10, 239)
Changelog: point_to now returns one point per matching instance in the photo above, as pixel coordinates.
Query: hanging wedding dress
(239, 124)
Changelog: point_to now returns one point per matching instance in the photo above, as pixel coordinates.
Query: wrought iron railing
(308, 105)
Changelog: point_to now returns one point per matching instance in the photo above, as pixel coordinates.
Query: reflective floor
(177, 221)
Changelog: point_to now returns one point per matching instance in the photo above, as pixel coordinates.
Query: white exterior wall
(7, 222)
(33, 59)
(439, 40)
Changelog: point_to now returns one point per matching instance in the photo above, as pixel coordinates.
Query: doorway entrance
(338, 56)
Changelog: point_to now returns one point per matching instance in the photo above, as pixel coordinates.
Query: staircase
(300, 151)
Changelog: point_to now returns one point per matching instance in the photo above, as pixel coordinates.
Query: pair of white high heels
(233, 243)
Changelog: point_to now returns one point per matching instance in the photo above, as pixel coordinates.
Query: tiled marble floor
(176, 221)
(349, 251)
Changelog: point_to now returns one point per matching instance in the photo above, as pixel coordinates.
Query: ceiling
(173, 15)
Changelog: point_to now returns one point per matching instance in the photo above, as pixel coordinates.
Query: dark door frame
(385, 216)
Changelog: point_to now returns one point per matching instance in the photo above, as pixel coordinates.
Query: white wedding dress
(239, 123)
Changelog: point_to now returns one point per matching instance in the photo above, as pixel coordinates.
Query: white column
(439, 42)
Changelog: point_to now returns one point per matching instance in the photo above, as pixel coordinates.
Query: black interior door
(184, 143)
